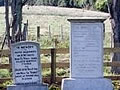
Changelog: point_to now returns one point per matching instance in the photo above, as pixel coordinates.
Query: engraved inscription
(86, 49)
(26, 69)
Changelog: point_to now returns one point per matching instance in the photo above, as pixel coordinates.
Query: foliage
(54, 87)
(46, 72)
(4, 73)
(63, 43)
(4, 85)
(46, 42)
(64, 3)
(116, 85)
(10, 82)
(101, 5)
(96, 4)
(62, 72)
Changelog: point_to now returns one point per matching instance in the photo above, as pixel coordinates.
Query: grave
(86, 54)
(26, 67)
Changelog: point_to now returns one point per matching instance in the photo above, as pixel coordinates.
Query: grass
(55, 18)
(44, 16)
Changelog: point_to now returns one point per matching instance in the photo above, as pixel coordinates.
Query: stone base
(86, 84)
(27, 87)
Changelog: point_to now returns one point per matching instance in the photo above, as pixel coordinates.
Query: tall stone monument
(86, 54)
(26, 67)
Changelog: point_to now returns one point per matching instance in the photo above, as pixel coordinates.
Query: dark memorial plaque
(26, 63)
(87, 50)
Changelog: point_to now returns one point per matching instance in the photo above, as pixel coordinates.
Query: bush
(54, 87)
(4, 73)
(101, 5)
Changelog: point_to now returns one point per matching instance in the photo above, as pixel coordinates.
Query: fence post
(49, 28)
(25, 32)
(53, 65)
(38, 33)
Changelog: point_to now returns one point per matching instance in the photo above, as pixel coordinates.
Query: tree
(16, 10)
(7, 24)
(16, 26)
(101, 5)
(114, 9)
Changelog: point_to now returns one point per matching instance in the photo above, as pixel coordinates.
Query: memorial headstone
(86, 54)
(26, 67)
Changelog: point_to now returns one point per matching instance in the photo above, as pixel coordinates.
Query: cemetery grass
(44, 20)
(51, 21)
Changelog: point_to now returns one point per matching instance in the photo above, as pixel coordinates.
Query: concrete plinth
(86, 84)
(27, 87)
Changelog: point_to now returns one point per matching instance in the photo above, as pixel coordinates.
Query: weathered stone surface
(27, 87)
(86, 84)
(86, 50)
(26, 67)
(26, 63)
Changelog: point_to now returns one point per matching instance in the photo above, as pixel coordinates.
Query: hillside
(56, 17)
(60, 11)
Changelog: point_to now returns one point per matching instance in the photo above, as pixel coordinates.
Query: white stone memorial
(86, 54)
(26, 67)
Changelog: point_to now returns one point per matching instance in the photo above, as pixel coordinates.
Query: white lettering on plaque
(25, 63)
(86, 50)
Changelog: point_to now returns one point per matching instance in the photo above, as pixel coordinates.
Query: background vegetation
(90, 4)
(47, 42)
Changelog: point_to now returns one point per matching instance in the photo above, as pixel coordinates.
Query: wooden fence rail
(6, 53)
(63, 65)
(53, 65)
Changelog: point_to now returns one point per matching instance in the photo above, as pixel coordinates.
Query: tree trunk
(7, 21)
(16, 9)
(114, 8)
